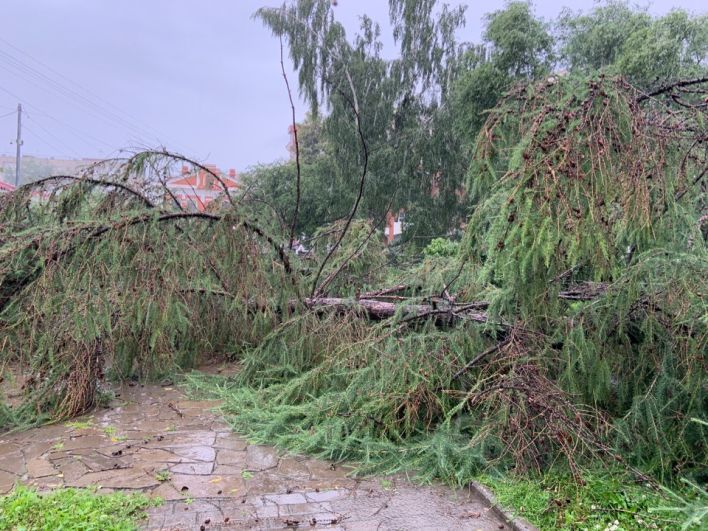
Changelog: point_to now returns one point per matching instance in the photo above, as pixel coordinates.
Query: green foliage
(350, 81)
(521, 45)
(360, 262)
(691, 507)
(78, 509)
(594, 40)
(674, 46)
(325, 194)
(517, 48)
(567, 175)
(575, 186)
(649, 51)
(99, 280)
(604, 500)
(162, 475)
(441, 247)
(271, 195)
(335, 390)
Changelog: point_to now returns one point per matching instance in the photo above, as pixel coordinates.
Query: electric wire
(85, 108)
(144, 135)
(52, 135)
(98, 98)
(44, 140)
(88, 139)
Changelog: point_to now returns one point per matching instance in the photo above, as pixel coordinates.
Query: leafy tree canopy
(648, 50)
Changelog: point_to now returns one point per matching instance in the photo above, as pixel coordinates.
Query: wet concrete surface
(154, 440)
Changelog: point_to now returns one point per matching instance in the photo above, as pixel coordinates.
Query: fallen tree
(574, 322)
(442, 310)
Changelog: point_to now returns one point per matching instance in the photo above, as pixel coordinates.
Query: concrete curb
(515, 523)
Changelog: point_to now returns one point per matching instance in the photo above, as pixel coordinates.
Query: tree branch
(297, 149)
(672, 86)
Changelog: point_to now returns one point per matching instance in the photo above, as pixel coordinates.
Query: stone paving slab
(153, 440)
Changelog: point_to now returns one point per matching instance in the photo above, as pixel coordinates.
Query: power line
(87, 107)
(52, 135)
(85, 137)
(32, 75)
(87, 91)
(8, 114)
(26, 70)
(42, 139)
(76, 132)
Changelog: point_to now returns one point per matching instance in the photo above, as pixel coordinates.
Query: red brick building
(196, 189)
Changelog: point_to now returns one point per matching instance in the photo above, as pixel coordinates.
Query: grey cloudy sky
(201, 77)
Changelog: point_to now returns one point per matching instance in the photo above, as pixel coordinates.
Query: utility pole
(18, 158)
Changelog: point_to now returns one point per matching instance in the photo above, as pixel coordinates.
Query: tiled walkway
(154, 440)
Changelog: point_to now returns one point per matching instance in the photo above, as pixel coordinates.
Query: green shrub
(441, 247)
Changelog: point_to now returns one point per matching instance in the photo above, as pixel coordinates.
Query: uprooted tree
(572, 325)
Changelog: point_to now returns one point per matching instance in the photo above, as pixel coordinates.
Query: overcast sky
(199, 76)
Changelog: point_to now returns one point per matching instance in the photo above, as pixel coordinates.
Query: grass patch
(76, 509)
(607, 501)
(79, 424)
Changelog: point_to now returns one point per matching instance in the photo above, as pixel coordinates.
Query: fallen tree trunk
(379, 310)
(445, 310)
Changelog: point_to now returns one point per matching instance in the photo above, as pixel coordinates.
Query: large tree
(628, 41)
(386, 120)
(517, 47)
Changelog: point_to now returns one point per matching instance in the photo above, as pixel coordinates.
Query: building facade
(196, 189)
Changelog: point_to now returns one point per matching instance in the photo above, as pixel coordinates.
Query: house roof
(202, 180)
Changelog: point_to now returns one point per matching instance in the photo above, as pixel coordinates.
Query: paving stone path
(154, 440)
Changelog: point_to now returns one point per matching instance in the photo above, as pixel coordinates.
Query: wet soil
(152, 439)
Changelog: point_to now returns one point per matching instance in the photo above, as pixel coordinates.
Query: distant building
(394, 226)
(194, 190)
(291, 142)
(34, 168)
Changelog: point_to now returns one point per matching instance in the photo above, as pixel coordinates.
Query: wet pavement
(153, 440)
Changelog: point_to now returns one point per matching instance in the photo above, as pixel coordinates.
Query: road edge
(514, 522)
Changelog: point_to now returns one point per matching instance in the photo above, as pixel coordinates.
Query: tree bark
(379, 310)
